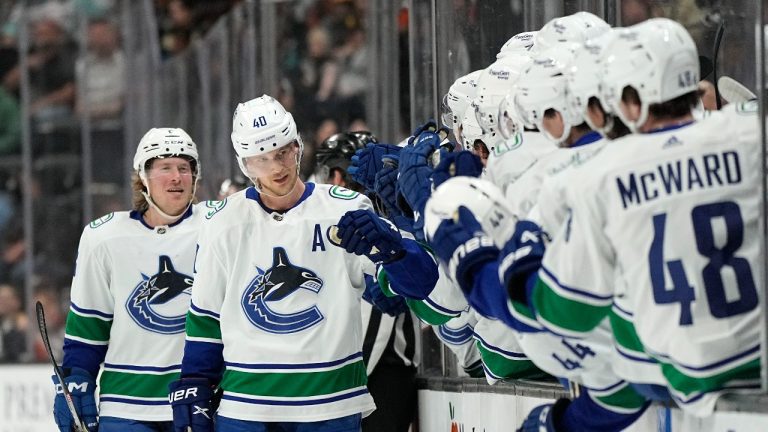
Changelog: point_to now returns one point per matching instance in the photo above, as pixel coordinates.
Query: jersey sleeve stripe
(490, 347)
(90, 312)
(455, 336)
(201, 311)
(747, 354)
(502, 367)
(202, 326)
(87, 329)
(576, 293)
(297, 401)
(426, 313)
(686, 387)
(85, 341)
(557, 312)
(624, 400)
(136, 384)
(624, 332)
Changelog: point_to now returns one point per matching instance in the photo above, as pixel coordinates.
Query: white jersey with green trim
(514, 157)
(285, 304)
(675, 215)
(130, 295)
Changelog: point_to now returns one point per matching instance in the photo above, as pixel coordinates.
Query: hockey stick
(718, 39)
(79, 424)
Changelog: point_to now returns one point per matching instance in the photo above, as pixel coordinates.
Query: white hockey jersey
(510, 160)
(130, 296)
(285, 304)
(675, 215)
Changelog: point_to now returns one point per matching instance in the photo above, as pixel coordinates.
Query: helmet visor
(286, 157)
(510, 123)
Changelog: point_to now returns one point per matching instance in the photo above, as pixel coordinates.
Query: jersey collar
(589, 138)
(670, 127)
(251, 193)
(139, 217)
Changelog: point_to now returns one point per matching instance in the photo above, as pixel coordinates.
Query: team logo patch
(101, 221)
(159, 303)
(274, 284)
(342, 193)
(508, 145)
(214, 207)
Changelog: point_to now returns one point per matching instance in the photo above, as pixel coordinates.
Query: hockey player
(131, 292)
(275, 322)
(617, 226)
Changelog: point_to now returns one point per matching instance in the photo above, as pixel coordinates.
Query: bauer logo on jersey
(275, 284)
(159, 303)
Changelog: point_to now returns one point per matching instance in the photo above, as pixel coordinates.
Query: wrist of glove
(520, 258)
(545, 418)
(191, 402)
(82, 387)
(463, 163)
(463, 246)
(375, 296)
(362, 232)
(385, 186)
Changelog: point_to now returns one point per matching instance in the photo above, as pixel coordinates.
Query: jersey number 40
(718, 257)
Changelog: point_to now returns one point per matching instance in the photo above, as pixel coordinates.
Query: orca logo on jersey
(282, 280)
(159, 303)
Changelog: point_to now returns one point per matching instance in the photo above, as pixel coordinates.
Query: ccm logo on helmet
(259, 122)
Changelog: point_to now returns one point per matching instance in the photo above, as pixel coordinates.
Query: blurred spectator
(317, 80)
(104, 86)
(51, 65)
(12, 256)
(10, 113)
(185, 20)
(55, 319)
(13, 326)
(635, 11)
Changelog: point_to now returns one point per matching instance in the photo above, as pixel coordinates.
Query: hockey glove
(385, 183)
(544, 418)
(373, 294)
(464, 247)
(190, 400)
(520, 259)
(414, 183)
(463, 163)
(362, 232)
(82, 386)
(368, 161)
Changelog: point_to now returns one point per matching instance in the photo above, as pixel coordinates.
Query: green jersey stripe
(624, 333)
(202, 326)
(137, 384)
(509, 368)
(624, 400)
(296, 384)
(88, 328)
(691, 386)
(566, 313)
(426, 313)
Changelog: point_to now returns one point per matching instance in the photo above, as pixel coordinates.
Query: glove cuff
(469, 256)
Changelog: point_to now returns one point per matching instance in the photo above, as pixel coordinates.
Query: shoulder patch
(342, 193)
(508, 145)
(101, 221)
(214, 207)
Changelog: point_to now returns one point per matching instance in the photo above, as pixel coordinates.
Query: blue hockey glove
(521, 258)
(463, 163)
(368, 161)
(428, 126)
(414, 184)
(190, 400)
(464, 247)
(82, 386)
(373, 294)
(544, 418)
(385, 186)
(362, 232)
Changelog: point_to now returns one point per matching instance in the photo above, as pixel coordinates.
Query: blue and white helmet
(657, 58)
(164, 142)
(260, 126)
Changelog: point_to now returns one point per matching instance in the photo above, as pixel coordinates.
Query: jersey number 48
(718, 257)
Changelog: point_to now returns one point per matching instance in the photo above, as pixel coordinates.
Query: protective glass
(274, 161)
